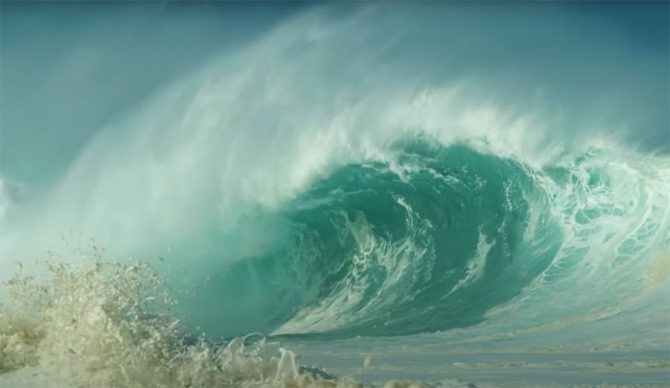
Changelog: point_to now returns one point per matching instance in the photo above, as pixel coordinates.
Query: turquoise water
(354, 192)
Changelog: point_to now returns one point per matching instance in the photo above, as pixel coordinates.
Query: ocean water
(344, 200)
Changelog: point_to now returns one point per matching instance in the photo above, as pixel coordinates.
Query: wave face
(435, 237)
(427, 242)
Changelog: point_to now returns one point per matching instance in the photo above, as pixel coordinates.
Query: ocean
(397, 195)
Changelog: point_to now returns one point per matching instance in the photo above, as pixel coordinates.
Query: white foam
(476, 264)
(107, 324)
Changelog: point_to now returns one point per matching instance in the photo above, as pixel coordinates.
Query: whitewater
(290, 215)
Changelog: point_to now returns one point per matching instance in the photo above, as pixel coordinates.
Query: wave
(430, 239)
(436, 237)
(251, 129)
(283, 190)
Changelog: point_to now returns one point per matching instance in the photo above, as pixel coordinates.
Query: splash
(108, 324)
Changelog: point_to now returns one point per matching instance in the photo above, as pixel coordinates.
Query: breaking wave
(386, 197)
(427, 239)
(434, 237)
